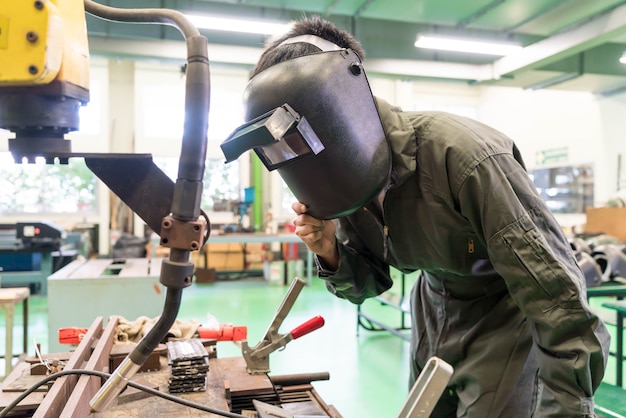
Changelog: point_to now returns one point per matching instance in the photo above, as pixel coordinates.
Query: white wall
(613, 120)
(544, 119)
(590, 128)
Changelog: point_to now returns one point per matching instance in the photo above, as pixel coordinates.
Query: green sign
(552, 156)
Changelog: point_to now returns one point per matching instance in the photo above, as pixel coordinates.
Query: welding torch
(183, 230)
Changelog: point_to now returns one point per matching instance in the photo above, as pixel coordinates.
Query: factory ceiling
(567, 44)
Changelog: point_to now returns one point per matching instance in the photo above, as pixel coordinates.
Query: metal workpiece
(265, 410)
(257, 357)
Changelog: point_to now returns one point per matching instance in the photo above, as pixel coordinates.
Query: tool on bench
(225, 332)
(266, 410)
(257, 358)
(424, 395)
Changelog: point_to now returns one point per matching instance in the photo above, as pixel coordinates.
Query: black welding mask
(314, 119)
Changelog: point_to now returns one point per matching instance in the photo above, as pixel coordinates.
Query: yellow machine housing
(44, 40)
(44, 75)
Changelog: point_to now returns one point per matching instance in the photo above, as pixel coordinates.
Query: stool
(9, 299)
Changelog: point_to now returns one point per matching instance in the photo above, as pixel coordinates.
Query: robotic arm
(44, 75)
(44, 80)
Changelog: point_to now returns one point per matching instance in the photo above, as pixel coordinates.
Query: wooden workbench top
(14, 294)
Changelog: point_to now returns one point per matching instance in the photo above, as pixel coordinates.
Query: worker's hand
(318, 235)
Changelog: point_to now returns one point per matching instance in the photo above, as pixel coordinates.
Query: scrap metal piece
(266, 410)
(427, 390)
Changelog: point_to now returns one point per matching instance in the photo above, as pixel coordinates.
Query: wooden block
(120, 351)
(25, 381)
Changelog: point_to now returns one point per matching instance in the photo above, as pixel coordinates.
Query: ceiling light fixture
(464, 45)
(622, 59)
(238, 25)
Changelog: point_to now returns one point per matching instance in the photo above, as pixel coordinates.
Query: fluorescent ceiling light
(461, 45)
(239, 25)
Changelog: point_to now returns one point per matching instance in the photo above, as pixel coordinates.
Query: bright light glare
(459, 45)
(238, 25)
(622, 59)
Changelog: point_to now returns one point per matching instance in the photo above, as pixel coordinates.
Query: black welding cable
(103, 375)
(176, 271)
(163, 16)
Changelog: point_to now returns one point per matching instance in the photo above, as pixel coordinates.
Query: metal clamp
(257, 358)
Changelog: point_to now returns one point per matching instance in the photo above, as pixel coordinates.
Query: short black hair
(314, 25)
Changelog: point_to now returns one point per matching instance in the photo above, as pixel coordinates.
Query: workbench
(86, 289)
(229, 387)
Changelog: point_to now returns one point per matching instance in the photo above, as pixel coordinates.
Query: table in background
(9, 299)
(267, 239)
(87, 289)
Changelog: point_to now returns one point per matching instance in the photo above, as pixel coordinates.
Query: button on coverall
(500, 295)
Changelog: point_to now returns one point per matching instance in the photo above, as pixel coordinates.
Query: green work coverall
(500, 296)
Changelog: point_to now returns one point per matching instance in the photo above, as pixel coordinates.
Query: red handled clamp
(257, 358)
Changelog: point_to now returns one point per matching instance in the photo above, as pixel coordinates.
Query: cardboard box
(225, 247)
(221, 257)
(230, 261)
(607, 220)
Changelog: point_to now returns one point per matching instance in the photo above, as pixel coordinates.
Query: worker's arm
(350, 272)
(528, 249)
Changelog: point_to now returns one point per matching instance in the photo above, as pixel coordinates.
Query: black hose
(159, 331)
(187, 196)
(7, 409)
(188, 188)
(162, 16)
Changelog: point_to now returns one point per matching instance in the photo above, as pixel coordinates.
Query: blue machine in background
(31, 251)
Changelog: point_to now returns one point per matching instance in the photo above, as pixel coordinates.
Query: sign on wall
(552, 156)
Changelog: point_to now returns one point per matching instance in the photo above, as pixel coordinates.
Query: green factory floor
(368, 370)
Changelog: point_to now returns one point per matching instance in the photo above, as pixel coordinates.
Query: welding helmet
(314, 120)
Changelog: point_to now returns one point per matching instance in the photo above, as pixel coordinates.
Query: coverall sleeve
(528, 249)
(359, 275)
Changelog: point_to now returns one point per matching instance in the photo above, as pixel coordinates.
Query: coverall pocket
(529, 246)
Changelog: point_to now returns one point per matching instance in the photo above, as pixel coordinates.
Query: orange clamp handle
(309, 326)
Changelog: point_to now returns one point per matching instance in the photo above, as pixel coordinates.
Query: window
(46, 188)
(221, 182)
(566, 189)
